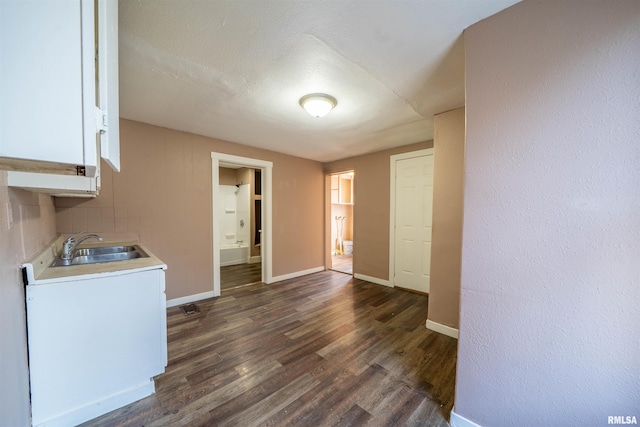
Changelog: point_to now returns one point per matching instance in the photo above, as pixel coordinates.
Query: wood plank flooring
(232, 276)
(321, 350)
(342, 263)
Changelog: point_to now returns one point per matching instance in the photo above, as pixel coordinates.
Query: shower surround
(235, 226)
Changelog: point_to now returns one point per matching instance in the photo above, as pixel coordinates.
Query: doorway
(341, 221)
(241, 226)
(410, 220)
(241, 185)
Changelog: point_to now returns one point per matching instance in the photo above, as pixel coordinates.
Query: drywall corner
(446, 236)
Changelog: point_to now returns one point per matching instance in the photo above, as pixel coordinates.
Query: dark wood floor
(232, 276)
(342, 263)
(321, 350)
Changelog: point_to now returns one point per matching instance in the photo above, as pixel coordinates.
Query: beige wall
(228, 176)
(446, 236)
(550, 296)
(245, 176)
(27, 224)
(371, 208)
(164, 195)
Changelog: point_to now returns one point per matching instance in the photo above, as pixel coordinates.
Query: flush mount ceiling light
(318, 104)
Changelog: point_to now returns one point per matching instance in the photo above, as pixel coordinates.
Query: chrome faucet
(71, 244)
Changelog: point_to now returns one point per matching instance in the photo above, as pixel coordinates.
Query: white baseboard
(204, 295)
(460, 421)
(373, 280)
(189, 298)
(99, 407)
(255, 259)
(295, 274)
(443, 329)
(233, 262)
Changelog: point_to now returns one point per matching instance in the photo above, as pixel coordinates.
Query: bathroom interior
(341, 220)
(240, 217)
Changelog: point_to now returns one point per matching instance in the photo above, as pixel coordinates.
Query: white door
(413, 207)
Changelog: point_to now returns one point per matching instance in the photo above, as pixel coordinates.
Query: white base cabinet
(94, 344)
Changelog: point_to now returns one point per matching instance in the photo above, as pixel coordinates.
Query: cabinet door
(46, 108)
(108, 81)
(93, 341)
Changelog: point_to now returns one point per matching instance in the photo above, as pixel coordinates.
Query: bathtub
(232, 254)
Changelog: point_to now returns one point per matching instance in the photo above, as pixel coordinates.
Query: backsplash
(135, 221)
(27, 222)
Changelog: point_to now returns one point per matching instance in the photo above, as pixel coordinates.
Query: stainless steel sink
(104, 250)
(101, 254)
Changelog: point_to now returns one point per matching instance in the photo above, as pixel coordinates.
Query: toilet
(347, 245)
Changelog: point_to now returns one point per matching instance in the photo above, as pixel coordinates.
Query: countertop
(38, 270)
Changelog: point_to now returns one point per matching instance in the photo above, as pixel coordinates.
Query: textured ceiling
(235, 69)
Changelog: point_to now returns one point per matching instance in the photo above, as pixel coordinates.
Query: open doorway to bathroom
(241, 226)
(341, 221)
(257, 225)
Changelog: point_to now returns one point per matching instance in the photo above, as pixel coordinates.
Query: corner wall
(446, 235)
(27, 225)
(163, 194)
(550, 303)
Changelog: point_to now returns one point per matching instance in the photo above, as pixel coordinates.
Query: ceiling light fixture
(318, 104)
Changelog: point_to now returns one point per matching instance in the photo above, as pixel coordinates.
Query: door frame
(392, 206)
(221, 159)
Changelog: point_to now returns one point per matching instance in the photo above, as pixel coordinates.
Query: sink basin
(101, 254)
(104, 250)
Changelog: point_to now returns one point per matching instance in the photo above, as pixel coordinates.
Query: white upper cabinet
(57, 114)
(108, 81)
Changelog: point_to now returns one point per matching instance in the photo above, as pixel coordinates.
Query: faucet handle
(72, 237)
(77, 234)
